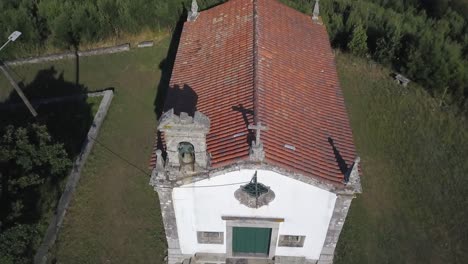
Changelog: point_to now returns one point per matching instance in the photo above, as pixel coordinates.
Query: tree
(388, 45)
(358, 43)
(15, 244)
(28, 158)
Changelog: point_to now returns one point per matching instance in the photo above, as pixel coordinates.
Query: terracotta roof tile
(247, 56)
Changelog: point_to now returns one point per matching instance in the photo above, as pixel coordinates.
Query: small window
(210, 237)
(211, 234)
(254, 188)
(293, 238)
(291, 241)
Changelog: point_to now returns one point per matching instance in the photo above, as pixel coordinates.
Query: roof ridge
(264, 62)
(255, 60)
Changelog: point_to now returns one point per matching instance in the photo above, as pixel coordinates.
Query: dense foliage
(427, 40)
(67, 23)
(29, 162)
(432, 50)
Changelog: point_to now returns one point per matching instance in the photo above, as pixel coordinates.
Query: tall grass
(415, 164)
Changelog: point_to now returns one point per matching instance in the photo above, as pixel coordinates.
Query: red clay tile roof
(247, 56)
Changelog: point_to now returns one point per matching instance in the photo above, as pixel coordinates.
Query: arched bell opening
(186, 156)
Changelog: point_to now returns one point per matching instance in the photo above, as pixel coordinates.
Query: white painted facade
(306, 210)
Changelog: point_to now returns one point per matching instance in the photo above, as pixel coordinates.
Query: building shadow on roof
(245, 116)
(339, 159)
(181, 100)
(167, 64)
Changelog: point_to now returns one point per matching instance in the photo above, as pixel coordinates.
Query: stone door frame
(272, 223)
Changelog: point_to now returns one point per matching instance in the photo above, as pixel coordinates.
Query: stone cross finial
(316, 13)
(194, 6)
(357, 160)
(193, 13)
(256, 150)
(258, 128)
(352, 178)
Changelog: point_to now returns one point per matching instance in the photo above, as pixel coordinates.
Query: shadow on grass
(67, 122)
(167, 65)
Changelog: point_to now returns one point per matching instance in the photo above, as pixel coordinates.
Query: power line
(219, 185)
(120, 157)
(146, 173)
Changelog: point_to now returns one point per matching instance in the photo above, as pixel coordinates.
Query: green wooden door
(251, 241)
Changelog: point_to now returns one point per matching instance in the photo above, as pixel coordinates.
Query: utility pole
(18, 90)
(3, 68)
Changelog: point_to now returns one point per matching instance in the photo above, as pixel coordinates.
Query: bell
(187, 162)
(187, 158)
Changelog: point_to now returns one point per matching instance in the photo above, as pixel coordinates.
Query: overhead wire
(147, 174)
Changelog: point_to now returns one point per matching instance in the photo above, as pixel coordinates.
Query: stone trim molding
(174, 254)
(253, 219)
(319, 183)
(293, 260)
(251, 222)
(342, 204)
(164, 189)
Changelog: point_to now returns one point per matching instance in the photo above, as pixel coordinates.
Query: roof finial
(352, 177)
(256, 150)
(193, 13)
(316, 12)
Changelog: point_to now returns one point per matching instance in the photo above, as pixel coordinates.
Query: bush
(432, 50)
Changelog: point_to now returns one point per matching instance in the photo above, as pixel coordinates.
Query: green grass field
(114, 216)
(414, 159)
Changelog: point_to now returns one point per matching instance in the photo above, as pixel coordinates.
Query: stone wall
(343, 202)
(73, 178)
(69, 55)
(164, 190)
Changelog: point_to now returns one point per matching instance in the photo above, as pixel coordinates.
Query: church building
(255, 160)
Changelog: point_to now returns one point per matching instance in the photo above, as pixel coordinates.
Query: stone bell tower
(185, 138)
